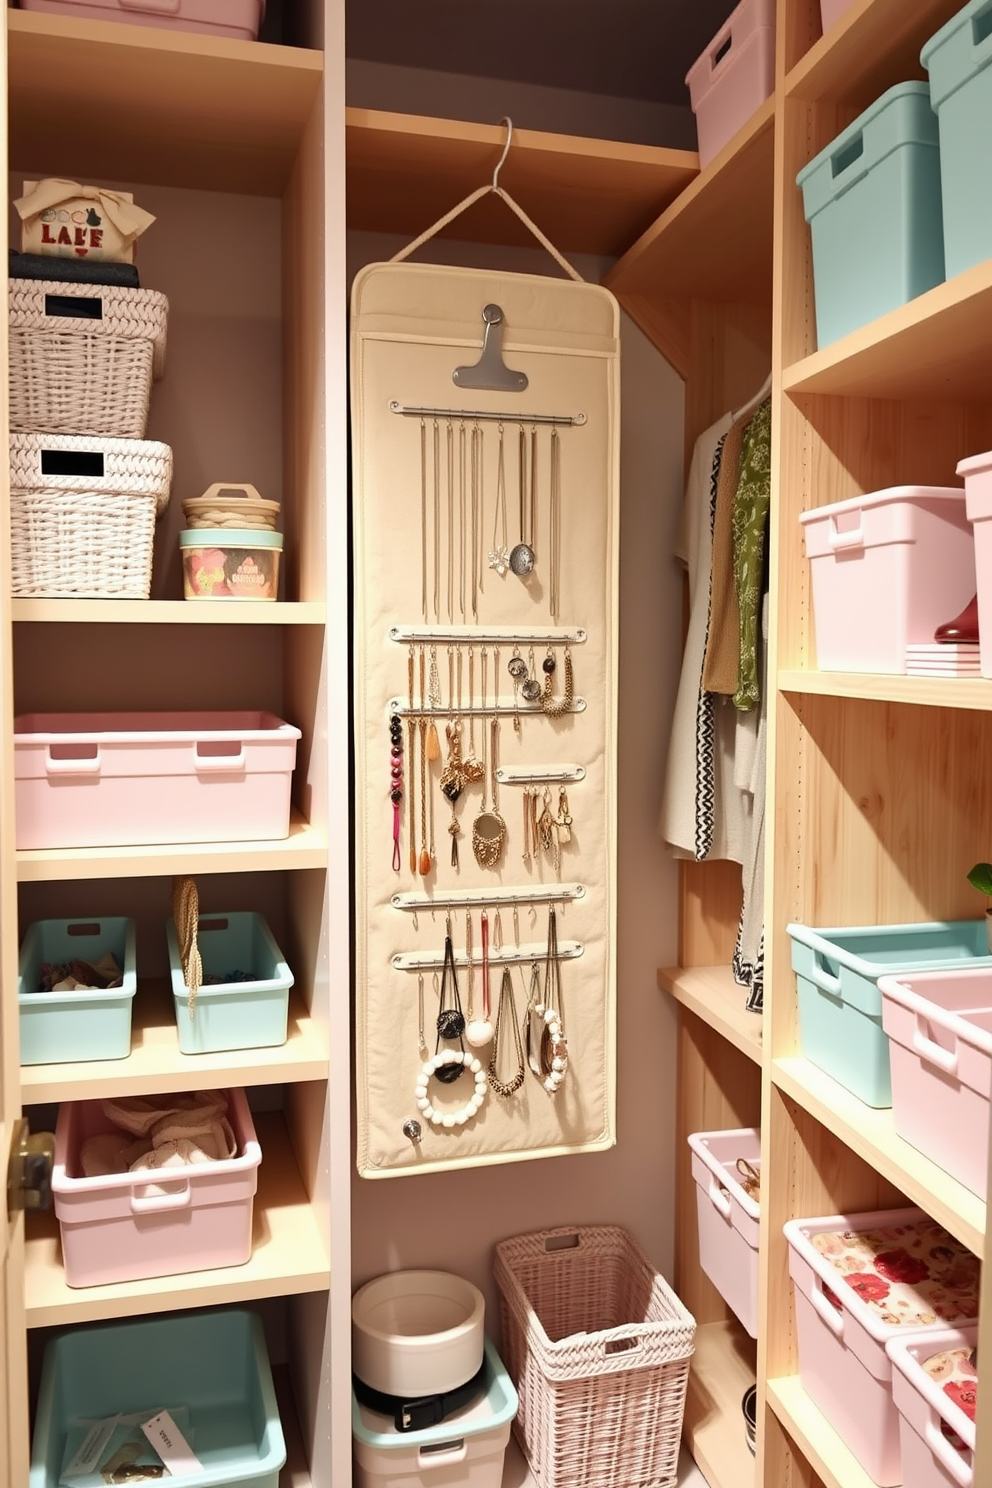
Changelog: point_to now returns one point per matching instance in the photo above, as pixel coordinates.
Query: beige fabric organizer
(411, 326)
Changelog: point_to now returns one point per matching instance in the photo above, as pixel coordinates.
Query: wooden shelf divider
(712, 994)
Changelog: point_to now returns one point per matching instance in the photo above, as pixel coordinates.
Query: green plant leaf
(980, 878)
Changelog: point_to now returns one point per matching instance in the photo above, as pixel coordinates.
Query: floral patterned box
(860, 1280)
(935, 1388)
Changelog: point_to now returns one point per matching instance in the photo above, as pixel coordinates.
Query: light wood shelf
(156, 1066)
(936, 347)
(722, 1369)
(822, 1447)
(872, 1135)
(165, 612)
(974, 693)
(874, 45)
(712, 994)
(590, 196)
(149, 104)
(288, 1254)
(296, 1473)
(305, 847)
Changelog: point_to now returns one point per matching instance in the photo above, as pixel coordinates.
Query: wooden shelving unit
(165, 612)
(712, 994)
(924, 692)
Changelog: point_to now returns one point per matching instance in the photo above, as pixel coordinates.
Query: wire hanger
(492, 187)
(752, 403)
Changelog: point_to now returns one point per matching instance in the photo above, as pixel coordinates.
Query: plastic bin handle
(827, 1314)
(156, 1203)
(445, 1454)
(853, 539)
(927, 1049)
(221, 489)
(945, 1453)
(87, 765)
(719, 1199)
(822, 978)
(981, 30)
(159, 7)
(221, 762)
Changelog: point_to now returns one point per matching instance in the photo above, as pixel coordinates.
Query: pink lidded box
(235, 19)
(728, 1217)
(935, 1388)
(734, 76)
(143, 779)
(859, 1281)
(157, 1221)
(977, 472)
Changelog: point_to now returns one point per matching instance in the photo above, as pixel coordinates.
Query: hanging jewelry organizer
(485, 423)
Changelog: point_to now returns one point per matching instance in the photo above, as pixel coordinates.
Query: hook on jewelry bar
(478, 415)
(457, 636)
(506, 150)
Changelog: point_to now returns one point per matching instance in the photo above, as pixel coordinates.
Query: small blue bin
(214, 1363)
(957, 60)
(840, 1006)
(232, 1015)
(872, 200)
(68, 1027)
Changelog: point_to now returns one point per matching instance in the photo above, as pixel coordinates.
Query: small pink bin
(936, 1434)
(939, 1025)
(734, 76)
(133, 1226)
(977, 472)
(728, 1218)
(235, 19)
(142, 779)
(842, 1334)
(887, 569)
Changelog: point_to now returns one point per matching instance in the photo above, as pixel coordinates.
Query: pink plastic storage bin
(930, 1458)
(832, 10)
(843, 1364)
(887, 569)
(123, 1227)
(977, 472)
(939, 1025)
(140, 779)
(728, 1218)
(230, 18)
(734, 76)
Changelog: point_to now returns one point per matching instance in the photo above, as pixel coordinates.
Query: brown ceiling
(622, 48)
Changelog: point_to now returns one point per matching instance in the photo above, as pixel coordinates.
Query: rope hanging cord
(186, 914)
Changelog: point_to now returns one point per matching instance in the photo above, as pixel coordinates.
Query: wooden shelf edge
(165, 612)
(722, 1369)
(711, 993)
(163, 41)
(296, 1472)
(871, 1134)
(970, 693)
(820, 1444)
(872, 37)
(288, 1255)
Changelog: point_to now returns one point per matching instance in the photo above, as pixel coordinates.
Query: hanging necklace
(489, 828)
(424, 863)
(449, 439)
(473, 769)
(423, 517)
(452, 780)
(554, 545)
(522, 558)
(411, 765)
(448, 1064)
(396, 781)
(462, 468)
(557, 707)
(480, 1032)
(478, 510)
(554, 1047)
(530, 687)
(436, 432)
(506, 1007)
(499, 553)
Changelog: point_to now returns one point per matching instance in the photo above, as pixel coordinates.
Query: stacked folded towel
(160, 1131)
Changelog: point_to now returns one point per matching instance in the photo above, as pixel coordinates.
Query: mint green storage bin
(70, 1027)
(840, 1006)
(872, 200)
(232, 1015)
(213, 1363)
(957, 60)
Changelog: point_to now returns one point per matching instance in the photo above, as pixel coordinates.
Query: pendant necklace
(555, 526)
(489, 828)
(499, 553)
(472, 767)
(522, 558)
(506, 1008)
(480, 1031)
(411, 765)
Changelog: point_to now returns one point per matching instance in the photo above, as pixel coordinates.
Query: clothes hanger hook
(506, 150)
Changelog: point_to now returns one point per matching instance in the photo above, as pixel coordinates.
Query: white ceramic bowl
(417, 1332)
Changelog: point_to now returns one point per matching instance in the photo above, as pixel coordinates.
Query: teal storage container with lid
(873, 202)
(840, 1006)
(957, 60)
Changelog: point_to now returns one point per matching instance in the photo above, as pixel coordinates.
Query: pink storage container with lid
(859, 1280)
(977, 472)
(728, 1217)
(734, 76)
(935, 1389)
(235, 19)
(887, 568)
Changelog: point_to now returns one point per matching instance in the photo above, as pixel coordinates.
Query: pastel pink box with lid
(235, 19)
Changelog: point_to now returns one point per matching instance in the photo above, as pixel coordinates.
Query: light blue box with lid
(70, 1027)
(958, 61)
(232, 1015)
(840, 1006)
(873, 202)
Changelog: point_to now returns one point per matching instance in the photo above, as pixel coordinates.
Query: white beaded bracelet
(557, 1061)
(448, 1120)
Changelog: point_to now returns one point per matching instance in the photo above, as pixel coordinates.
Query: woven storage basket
(85, 536)
(598, 1346)
(91, 373)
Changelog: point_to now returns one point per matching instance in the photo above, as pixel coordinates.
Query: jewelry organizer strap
(470, 201)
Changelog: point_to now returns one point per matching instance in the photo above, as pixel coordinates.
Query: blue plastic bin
(840, 1006)
(232, 1015)
(68, 1027)
(872, 200)
(214, 1363)
(957, 60)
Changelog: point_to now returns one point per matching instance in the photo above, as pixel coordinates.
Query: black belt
(426, 1410)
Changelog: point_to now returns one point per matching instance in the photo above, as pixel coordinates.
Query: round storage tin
(417, 1332)
(230, 563)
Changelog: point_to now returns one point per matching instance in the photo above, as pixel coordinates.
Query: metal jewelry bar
(473, 898)
(522, 775)
(568, 950)
(477, 415)
(505, 707)
(550, 636)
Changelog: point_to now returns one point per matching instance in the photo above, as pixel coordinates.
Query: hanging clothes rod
(431, 961)
(467, 635)
(495, 898)
(475, 415)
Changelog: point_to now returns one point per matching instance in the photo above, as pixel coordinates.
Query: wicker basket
(89, 535)
(598, 1346)
(89, 373)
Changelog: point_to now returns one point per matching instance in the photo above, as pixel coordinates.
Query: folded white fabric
(171, 1131)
